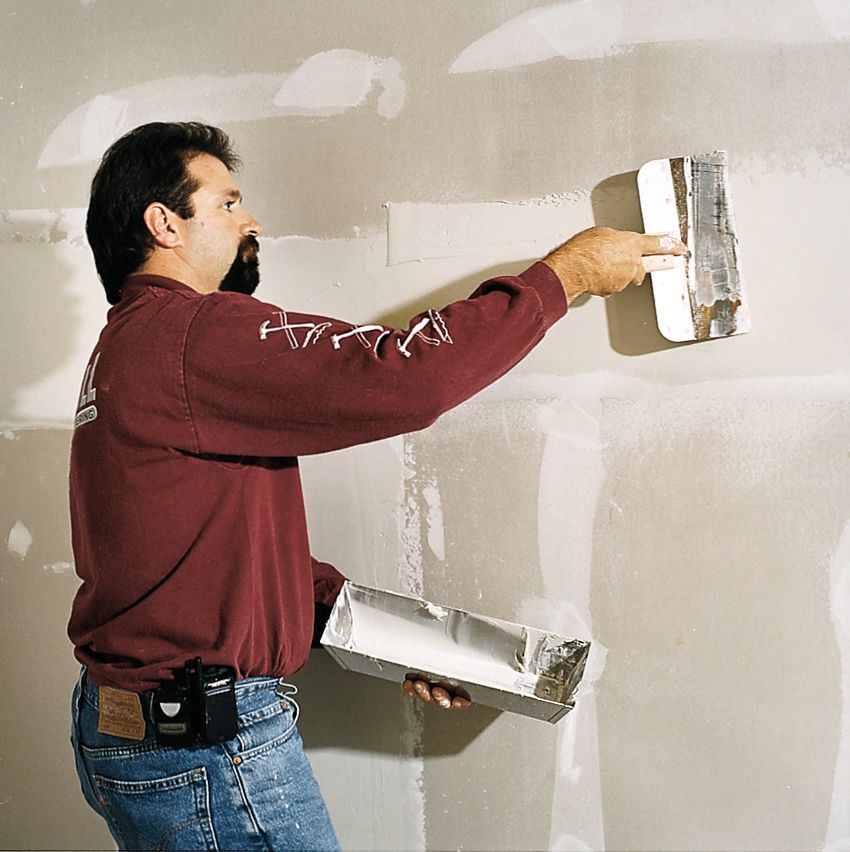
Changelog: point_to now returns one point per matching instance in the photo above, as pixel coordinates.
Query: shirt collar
(134, 284)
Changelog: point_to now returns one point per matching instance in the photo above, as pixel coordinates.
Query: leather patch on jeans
(120, 714)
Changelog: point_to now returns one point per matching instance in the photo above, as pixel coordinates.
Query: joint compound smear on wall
(572, 454)
(19, 540)
(838, 829)
(590, 29)
(326, 84)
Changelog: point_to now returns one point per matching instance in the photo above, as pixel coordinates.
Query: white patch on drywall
(590, 29)
(41, 226)
(216, 99)
(835, 15)
(435, 533)
(336, 80)
(104, 119)
(838, 827)
(19, 540)
(394, 89)
(59, 567)
(577, 29)
(531, 228)
(326, 84)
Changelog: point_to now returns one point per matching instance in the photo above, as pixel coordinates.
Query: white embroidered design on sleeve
(439, 325)
(313, 331)
(360, 334)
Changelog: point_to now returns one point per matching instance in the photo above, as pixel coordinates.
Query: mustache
(248, 249)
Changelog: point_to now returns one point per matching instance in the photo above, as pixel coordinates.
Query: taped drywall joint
(838, 827)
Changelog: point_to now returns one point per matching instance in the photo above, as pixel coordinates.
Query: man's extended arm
(267, 381)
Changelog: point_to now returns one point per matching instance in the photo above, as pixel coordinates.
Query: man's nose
(252, 227)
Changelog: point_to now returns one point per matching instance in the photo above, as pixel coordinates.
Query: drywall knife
(701, 296)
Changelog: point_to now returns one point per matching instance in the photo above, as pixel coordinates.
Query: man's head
(163, 201)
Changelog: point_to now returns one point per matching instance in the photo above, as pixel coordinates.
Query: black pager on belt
(198, 705)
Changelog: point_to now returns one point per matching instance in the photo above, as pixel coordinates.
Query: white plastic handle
(656, 262)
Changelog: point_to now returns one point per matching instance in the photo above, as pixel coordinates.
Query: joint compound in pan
(502, 664)
(551, 667)
(438, 613)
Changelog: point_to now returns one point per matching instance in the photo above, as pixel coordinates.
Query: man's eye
(228, 205)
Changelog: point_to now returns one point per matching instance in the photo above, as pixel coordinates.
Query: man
(187, 515)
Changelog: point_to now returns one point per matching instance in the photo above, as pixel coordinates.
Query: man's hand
(442, 694)
(604, 261)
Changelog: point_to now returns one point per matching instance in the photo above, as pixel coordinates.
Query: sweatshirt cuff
(542, 277)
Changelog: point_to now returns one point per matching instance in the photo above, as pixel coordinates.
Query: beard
(244, 273)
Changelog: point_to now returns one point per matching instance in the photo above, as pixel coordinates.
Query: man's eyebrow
(232, 195)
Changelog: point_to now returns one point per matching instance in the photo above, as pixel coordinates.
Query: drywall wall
(685, 507)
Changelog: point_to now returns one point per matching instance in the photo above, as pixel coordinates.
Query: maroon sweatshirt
(187, 516)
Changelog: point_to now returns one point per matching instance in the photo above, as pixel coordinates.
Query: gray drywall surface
(685, 507)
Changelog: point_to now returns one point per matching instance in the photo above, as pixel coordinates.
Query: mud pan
(500, 664)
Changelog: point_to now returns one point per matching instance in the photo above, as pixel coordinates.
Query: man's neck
(173, 267)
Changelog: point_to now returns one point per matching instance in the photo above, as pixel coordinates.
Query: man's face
(220, 240)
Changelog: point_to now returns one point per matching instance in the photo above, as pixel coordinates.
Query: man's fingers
(441, 697)
(422, 689)
(662, 244)
(416, 689)
(444, 696)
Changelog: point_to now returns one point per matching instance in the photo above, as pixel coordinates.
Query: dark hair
(145, 165)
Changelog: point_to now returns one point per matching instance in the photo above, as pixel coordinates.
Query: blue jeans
(256, 791)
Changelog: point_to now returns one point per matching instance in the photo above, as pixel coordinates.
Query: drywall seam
(418, 231)
(838, 827)
(410, 527)
(604, 384)
(572, 455)
(592, 29)
(10, 430)
(411, 575)
(325, 84)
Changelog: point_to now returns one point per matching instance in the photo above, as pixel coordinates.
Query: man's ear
(163, 225)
